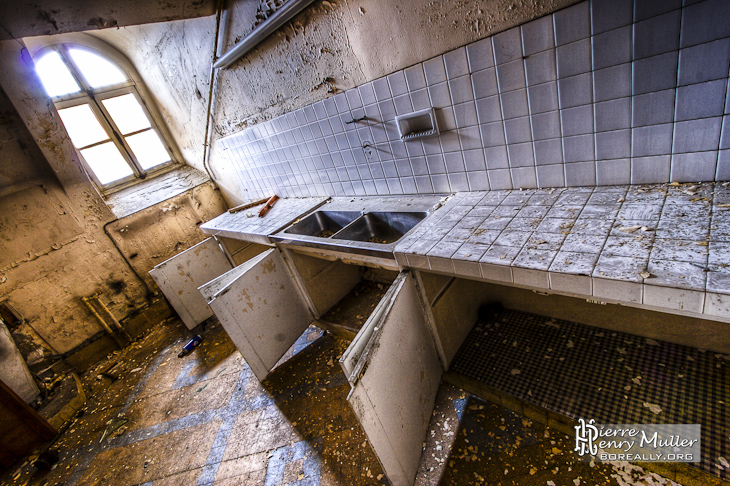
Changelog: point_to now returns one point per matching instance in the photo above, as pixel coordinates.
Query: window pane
(82, 125)
(148, 149)
(127, 113)
(55, 76)
(97, 71)
(107, 162)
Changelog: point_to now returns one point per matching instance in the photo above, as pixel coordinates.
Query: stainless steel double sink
(365, 226)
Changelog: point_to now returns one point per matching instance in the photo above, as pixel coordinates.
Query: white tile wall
(602, 92)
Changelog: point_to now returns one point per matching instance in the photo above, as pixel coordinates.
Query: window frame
(93, 97)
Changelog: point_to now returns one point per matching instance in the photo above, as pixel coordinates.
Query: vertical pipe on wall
(219, 18)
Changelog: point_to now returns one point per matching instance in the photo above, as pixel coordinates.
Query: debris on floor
(206, 420)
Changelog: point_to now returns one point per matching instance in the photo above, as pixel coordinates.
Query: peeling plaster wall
(146, 243)
(22, 18)
(53, 245)
(174, 60)
(351, 42)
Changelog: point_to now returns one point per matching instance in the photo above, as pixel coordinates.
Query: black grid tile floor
(612, 377)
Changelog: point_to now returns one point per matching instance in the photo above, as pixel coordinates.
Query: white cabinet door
(394, 372)
(260, 308)
(180, 276)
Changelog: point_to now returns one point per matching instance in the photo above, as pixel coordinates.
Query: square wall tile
(700, 100)
(580, 174)
(540, 68)
(480, 55)
(478, 181)
(572, 23)
(613, 172)
(548, 152)
(435, 164)
(439, 94)
(415, 78)
(693, 167)
(575, 91)
(652, 140)
(653, 108)
(550, 176)
(613, 82)
(492, 134)
(574, 58)
(514, 104)
(704, 62)
(537, 35)
(520, 155)
(577, 149)
(543, 97)
(456, 63)
(458, 182)
(613, 115)
(524, 177)
(469, 138)
(460, 89)
(577, 121)
(496, 157)
(499, 179)
(465, 114)
(649, 170)
(610, 14)
(546, 125)
(517, 130)
(511, 75)
(645, 9)
(434, 70)
(474, 160)
(612, 47)
(705, 22)
(420, 99)
(397, 82)
(484, 83)
(657, 35)
(613, 145)
(655, 73)
(697, 135)
(507, 45)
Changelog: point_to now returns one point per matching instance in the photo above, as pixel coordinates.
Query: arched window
(108, 121)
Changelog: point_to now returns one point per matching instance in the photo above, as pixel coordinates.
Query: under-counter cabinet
(392, 364)
(180, 276)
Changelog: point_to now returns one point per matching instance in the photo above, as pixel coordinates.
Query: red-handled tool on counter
(268, 205)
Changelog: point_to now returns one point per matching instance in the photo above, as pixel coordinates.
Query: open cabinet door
(180, 276)
(261, 309)
(394, 372)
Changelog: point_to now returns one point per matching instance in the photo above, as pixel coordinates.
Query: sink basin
(381, 227)
(323, 224)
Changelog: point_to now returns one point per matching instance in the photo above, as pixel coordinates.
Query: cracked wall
(54, 246)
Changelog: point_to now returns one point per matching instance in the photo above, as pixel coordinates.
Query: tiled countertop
(246, 225)
(664, 246)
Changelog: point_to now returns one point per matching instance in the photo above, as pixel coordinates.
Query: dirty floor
(204, 419)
